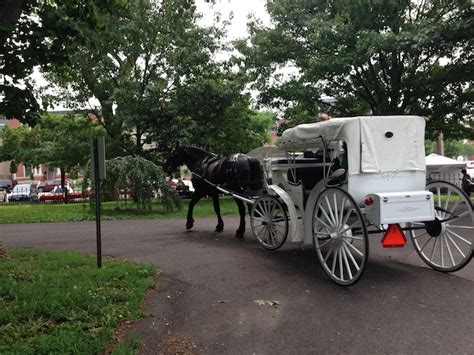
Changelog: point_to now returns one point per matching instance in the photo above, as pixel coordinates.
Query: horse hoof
(189, 226)
(219, 229)
(239, 235)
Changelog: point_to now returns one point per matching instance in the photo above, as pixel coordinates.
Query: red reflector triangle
(394, 237)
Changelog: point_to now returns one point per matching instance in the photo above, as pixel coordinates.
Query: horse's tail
(256, 174)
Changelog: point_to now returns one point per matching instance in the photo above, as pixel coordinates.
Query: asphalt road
(210, 282)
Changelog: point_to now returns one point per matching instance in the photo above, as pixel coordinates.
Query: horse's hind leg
(217, 209)
(189, 219)
(239, 233)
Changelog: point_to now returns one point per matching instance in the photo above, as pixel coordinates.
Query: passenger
(466, 182)
(323, 117)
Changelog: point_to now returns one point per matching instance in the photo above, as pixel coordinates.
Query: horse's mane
(200, 149)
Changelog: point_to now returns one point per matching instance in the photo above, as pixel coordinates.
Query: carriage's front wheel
(340, 236)
(447, 242)
(269, 222)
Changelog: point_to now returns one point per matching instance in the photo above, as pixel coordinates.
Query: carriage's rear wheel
(340, 236)
(447, 242)
(269, 222)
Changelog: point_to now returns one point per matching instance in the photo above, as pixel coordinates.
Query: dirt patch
(178, 344)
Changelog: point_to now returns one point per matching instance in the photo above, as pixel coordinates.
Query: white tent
(440, 164)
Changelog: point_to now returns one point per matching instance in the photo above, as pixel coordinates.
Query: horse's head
(185, 155)
(175, 159)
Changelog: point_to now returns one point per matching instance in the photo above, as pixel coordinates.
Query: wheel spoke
(458, 236)
(461, 227)
(456, 246)
(259, 212)
(419, 235)
(464, 214)
(346, 217)
(456, 205)
(449, 251)
(331, 222)
(341, 214)
(351, 257)
(330, 211)
(434, 248)
(354, 248)
(441, 249)
(353, 237)
(323, 223)
(427, 241)
(344, 256)
(330, 251)
(350, 227)
(447, 201)
(261, 230)
(336, 213)
(323, 244)
(334, 258)
(341, 267)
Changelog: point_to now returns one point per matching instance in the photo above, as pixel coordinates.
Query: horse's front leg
(239, 233)
(217, 209)
(189, 219)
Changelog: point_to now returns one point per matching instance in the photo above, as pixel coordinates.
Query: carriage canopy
(375, 144)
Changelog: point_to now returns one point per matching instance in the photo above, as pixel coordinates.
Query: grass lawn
(31, 213)
(61, 303)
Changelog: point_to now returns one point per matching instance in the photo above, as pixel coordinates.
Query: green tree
(139, 59)
(63, 142)
(378, 56)
(56, 141)
(261, 122)
(456, 148)
(15, 144)
(23, 46)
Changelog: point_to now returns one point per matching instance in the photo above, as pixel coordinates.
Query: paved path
(209, 284)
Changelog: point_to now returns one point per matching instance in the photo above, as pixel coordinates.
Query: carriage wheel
(340, 236)
(447, 242)
(269, 222)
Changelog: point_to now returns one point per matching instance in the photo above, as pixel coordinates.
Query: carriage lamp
(368, 200)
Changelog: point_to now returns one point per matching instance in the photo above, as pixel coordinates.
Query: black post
(97, 201)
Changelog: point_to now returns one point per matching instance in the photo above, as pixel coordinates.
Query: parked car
(3, 195)
(6, 184)
(20, 192)
(57, 194)
(49, 185)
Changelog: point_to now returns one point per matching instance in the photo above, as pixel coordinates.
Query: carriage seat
(309, 176)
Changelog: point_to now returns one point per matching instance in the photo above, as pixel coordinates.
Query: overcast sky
(240, 9)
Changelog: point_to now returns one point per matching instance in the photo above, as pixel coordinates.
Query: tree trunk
(440, 144)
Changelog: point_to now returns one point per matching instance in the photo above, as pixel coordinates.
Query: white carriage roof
(333, 128)
(385, 143)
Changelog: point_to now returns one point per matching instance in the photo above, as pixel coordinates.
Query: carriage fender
(309, 211)
(293, 230)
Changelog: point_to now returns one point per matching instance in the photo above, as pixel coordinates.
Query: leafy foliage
(57, 141)
(23, 47)
(151, 68)
(376, 56)
(137, 177)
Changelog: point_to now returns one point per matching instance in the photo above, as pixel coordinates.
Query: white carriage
(347, 178)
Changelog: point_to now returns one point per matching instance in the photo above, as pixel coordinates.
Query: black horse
(237, 173)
